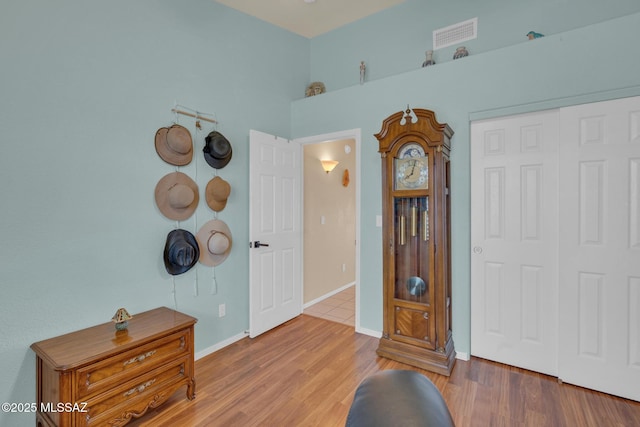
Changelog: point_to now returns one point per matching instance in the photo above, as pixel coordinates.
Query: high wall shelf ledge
(196, 116)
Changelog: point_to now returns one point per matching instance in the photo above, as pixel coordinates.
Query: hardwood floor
(305, 372)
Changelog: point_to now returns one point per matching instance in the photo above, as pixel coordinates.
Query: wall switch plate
(222, 310)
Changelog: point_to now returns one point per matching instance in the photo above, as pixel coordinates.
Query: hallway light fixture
(328, 165)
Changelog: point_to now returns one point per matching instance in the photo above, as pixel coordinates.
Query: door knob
(257, 244)
(477, 250)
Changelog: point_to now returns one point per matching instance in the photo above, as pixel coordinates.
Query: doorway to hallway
(331, 226)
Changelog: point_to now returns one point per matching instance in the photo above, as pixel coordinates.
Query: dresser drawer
(134, 397)
(104, 374)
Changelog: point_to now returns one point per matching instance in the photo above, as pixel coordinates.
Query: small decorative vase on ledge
(429, 59)
(315, 88)
(461, 52)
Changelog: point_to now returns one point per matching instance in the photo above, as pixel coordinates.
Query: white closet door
(514, 232)
(600, 246)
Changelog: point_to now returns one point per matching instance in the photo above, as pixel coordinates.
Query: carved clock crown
(401, 125)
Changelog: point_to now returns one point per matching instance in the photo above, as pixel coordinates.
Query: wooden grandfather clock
(416, 241)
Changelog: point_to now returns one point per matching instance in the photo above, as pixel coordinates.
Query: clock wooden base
(440, 362)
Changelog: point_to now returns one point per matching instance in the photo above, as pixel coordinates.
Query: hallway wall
(329, 219)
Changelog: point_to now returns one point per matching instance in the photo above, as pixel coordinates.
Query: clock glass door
(412, 260)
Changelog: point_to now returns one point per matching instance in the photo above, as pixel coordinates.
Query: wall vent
(456, 33)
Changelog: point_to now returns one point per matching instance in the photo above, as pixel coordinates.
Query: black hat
(217, 150)
(181, 252)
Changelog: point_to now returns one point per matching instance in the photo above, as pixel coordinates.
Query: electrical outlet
(222, 310)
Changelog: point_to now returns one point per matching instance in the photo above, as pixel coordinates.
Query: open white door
(275, 260)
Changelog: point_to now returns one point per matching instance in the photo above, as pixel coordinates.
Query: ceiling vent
(456, 33)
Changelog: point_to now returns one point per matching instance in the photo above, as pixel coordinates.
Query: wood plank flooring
(305, 372)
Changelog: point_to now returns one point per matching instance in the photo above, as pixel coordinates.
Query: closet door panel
(514, 240)
(599, 255)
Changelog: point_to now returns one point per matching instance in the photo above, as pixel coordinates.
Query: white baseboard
(462, 356)
(370, 332)
(220, 345)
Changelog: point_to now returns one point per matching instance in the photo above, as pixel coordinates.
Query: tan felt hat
(217, 193)
(214, 240)
(177, 196)
(174, 145)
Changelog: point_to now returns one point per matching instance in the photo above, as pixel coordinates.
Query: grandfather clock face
(411, 171)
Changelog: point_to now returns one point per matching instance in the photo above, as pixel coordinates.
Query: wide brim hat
(216, 193)
(181, 251)
(177, 196)
(217, 150)
(174, 145)
(215, 241)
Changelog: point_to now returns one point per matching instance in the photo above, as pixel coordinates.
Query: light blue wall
(395, 41)
(84, 86)
(583, 65)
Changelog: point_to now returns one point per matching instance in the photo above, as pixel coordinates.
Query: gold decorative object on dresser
(416, 233)
(99, 376)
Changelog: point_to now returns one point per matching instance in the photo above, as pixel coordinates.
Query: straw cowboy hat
(174, 145)
(214, 238)
(177, 196)
(217, 150)
(181, 251)
(216, 193)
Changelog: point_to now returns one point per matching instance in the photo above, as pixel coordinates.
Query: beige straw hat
(214, 239)
(217, 193)
(174, 145)
(177, 196)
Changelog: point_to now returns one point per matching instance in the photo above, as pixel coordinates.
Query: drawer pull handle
(140, 388)
(140, 358)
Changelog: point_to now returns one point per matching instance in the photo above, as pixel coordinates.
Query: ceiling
(309, 19)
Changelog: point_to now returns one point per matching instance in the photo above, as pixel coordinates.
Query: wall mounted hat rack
(195, 114)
